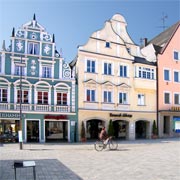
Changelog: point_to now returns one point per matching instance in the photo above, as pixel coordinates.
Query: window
(141, 99)
(107, 96)
(62, 98)
(166, 75)
(108, 44)
(123, 71)
(91, 66)
(128, 50)
(177, 99)
(176, 76)
(33, 48)
(146, 73)
(0, 64)
(42, 97)
(107, 68)
(24, 96)
(166, 98)
(176, 55)
(90, 96)
(19, 70)
(46, 72)
(3, 95)
(122, 98)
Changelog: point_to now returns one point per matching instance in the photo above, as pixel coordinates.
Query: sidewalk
(134, 160)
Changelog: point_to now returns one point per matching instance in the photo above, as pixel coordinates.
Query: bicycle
(99, 145)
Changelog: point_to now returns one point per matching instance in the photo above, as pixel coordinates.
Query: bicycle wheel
(98, 146)
(113, 145)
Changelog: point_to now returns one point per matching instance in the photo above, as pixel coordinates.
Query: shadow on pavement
(119, 150)
(46, 169)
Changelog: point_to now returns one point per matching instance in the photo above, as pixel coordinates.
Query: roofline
(163, 49)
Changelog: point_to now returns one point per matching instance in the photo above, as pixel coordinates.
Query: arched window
(26, 92)
(62, 94)
(4, 91)
(42, 93)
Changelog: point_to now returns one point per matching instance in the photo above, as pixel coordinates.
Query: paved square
(133, 160)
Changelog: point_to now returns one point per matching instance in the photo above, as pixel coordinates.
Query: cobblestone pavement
(133, 160)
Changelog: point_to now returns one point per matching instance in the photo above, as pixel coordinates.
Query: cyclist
(103, 135)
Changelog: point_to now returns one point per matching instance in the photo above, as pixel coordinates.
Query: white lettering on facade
(9, 115)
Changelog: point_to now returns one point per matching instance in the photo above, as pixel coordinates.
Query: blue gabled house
(38, 84)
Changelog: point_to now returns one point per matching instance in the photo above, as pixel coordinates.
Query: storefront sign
(175, 108)
(176, 118)
(55, 117)
(120, 115)
(9, 115)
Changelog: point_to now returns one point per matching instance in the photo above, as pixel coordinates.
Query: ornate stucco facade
(115, 82)
(35, 79)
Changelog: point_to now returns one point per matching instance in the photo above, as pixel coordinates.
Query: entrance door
(141, 129)
(93, 128)
(33, 131)
(120, 129)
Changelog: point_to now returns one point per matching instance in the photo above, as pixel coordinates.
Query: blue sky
(73, 21)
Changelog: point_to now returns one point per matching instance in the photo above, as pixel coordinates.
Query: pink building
(166, 48)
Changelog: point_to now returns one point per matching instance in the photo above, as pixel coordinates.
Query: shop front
(121, 129)
(126, 125)
(40, 128)
(56, 131)
(176, 125)
(169, 123)
(9, 126)
(93, 128)
(57, 128)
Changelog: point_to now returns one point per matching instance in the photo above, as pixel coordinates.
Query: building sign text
(120, 115)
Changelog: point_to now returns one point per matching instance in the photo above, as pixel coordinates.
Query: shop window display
(9, 130)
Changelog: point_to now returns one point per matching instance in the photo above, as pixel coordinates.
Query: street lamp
(20, 64)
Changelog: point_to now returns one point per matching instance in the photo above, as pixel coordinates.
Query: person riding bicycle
(103, 135)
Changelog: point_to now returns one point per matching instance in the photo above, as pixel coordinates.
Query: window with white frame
(123, 70)
(42, 97)
(108, 68)
(166, 75)
(90, 95)
(146, 73)
(19, 70)
(123, 98)
(141, 99)
(177, 55)
(107, 96)
(23, 97)
(166, 98)
(177, 98)
(91, 66)
(46, 71)
(61, 98)
(176, 76)
(33, 48)
(3, 95)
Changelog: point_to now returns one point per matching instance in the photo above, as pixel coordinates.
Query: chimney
(145, 42)
(3, 46)
(13, 32)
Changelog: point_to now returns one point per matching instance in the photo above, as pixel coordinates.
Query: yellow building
(115, 82)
